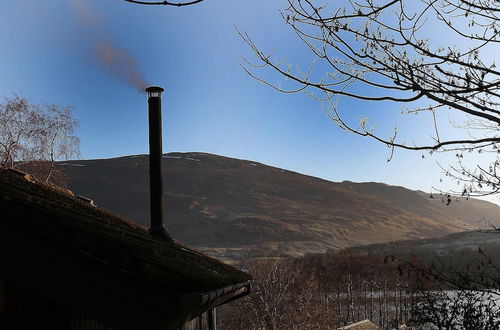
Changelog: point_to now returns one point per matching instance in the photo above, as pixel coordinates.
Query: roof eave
(201, 302)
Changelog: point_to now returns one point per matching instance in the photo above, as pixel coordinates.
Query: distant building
(65, 264)
(361, 325)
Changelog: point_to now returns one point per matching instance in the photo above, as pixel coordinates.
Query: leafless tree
(323, 292)
(380, 51)
(33, 137)
(285, 295)
(453, 295)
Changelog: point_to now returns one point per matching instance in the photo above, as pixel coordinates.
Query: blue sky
(210, 104)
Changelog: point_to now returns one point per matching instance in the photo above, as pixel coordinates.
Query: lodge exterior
(65, 264)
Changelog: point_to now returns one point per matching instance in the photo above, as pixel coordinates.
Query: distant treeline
(325, 292)
(338, 288)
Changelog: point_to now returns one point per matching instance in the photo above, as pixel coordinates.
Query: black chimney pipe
(157, 228)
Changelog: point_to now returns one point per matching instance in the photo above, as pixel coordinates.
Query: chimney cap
(154, 89)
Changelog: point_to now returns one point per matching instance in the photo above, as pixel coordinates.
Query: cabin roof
(68, 215)
(89, 260)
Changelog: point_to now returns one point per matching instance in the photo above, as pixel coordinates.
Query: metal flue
(157, 228)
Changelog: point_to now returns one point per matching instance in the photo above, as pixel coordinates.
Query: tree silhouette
(165, 3)
(33, 137)
(379, 51)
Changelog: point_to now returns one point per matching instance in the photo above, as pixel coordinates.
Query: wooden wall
(80, 321)
(206, 321)
(23, 309)
(2, 295)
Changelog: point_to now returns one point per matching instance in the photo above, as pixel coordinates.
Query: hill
(231, 208)
(461, 247)
(471, 255)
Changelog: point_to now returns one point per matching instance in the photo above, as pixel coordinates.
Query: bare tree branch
(33, 137)
(165, 3)
(378, 51)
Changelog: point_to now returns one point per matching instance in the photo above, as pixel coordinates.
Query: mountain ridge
(233, 208)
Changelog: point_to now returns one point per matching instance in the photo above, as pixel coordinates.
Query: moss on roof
(57, 215)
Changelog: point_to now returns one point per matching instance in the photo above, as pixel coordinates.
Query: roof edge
(204, 301)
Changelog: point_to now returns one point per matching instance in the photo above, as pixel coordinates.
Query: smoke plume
(109, 57)
(119, 63)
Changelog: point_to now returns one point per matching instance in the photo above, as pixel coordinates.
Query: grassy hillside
(231, 207)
